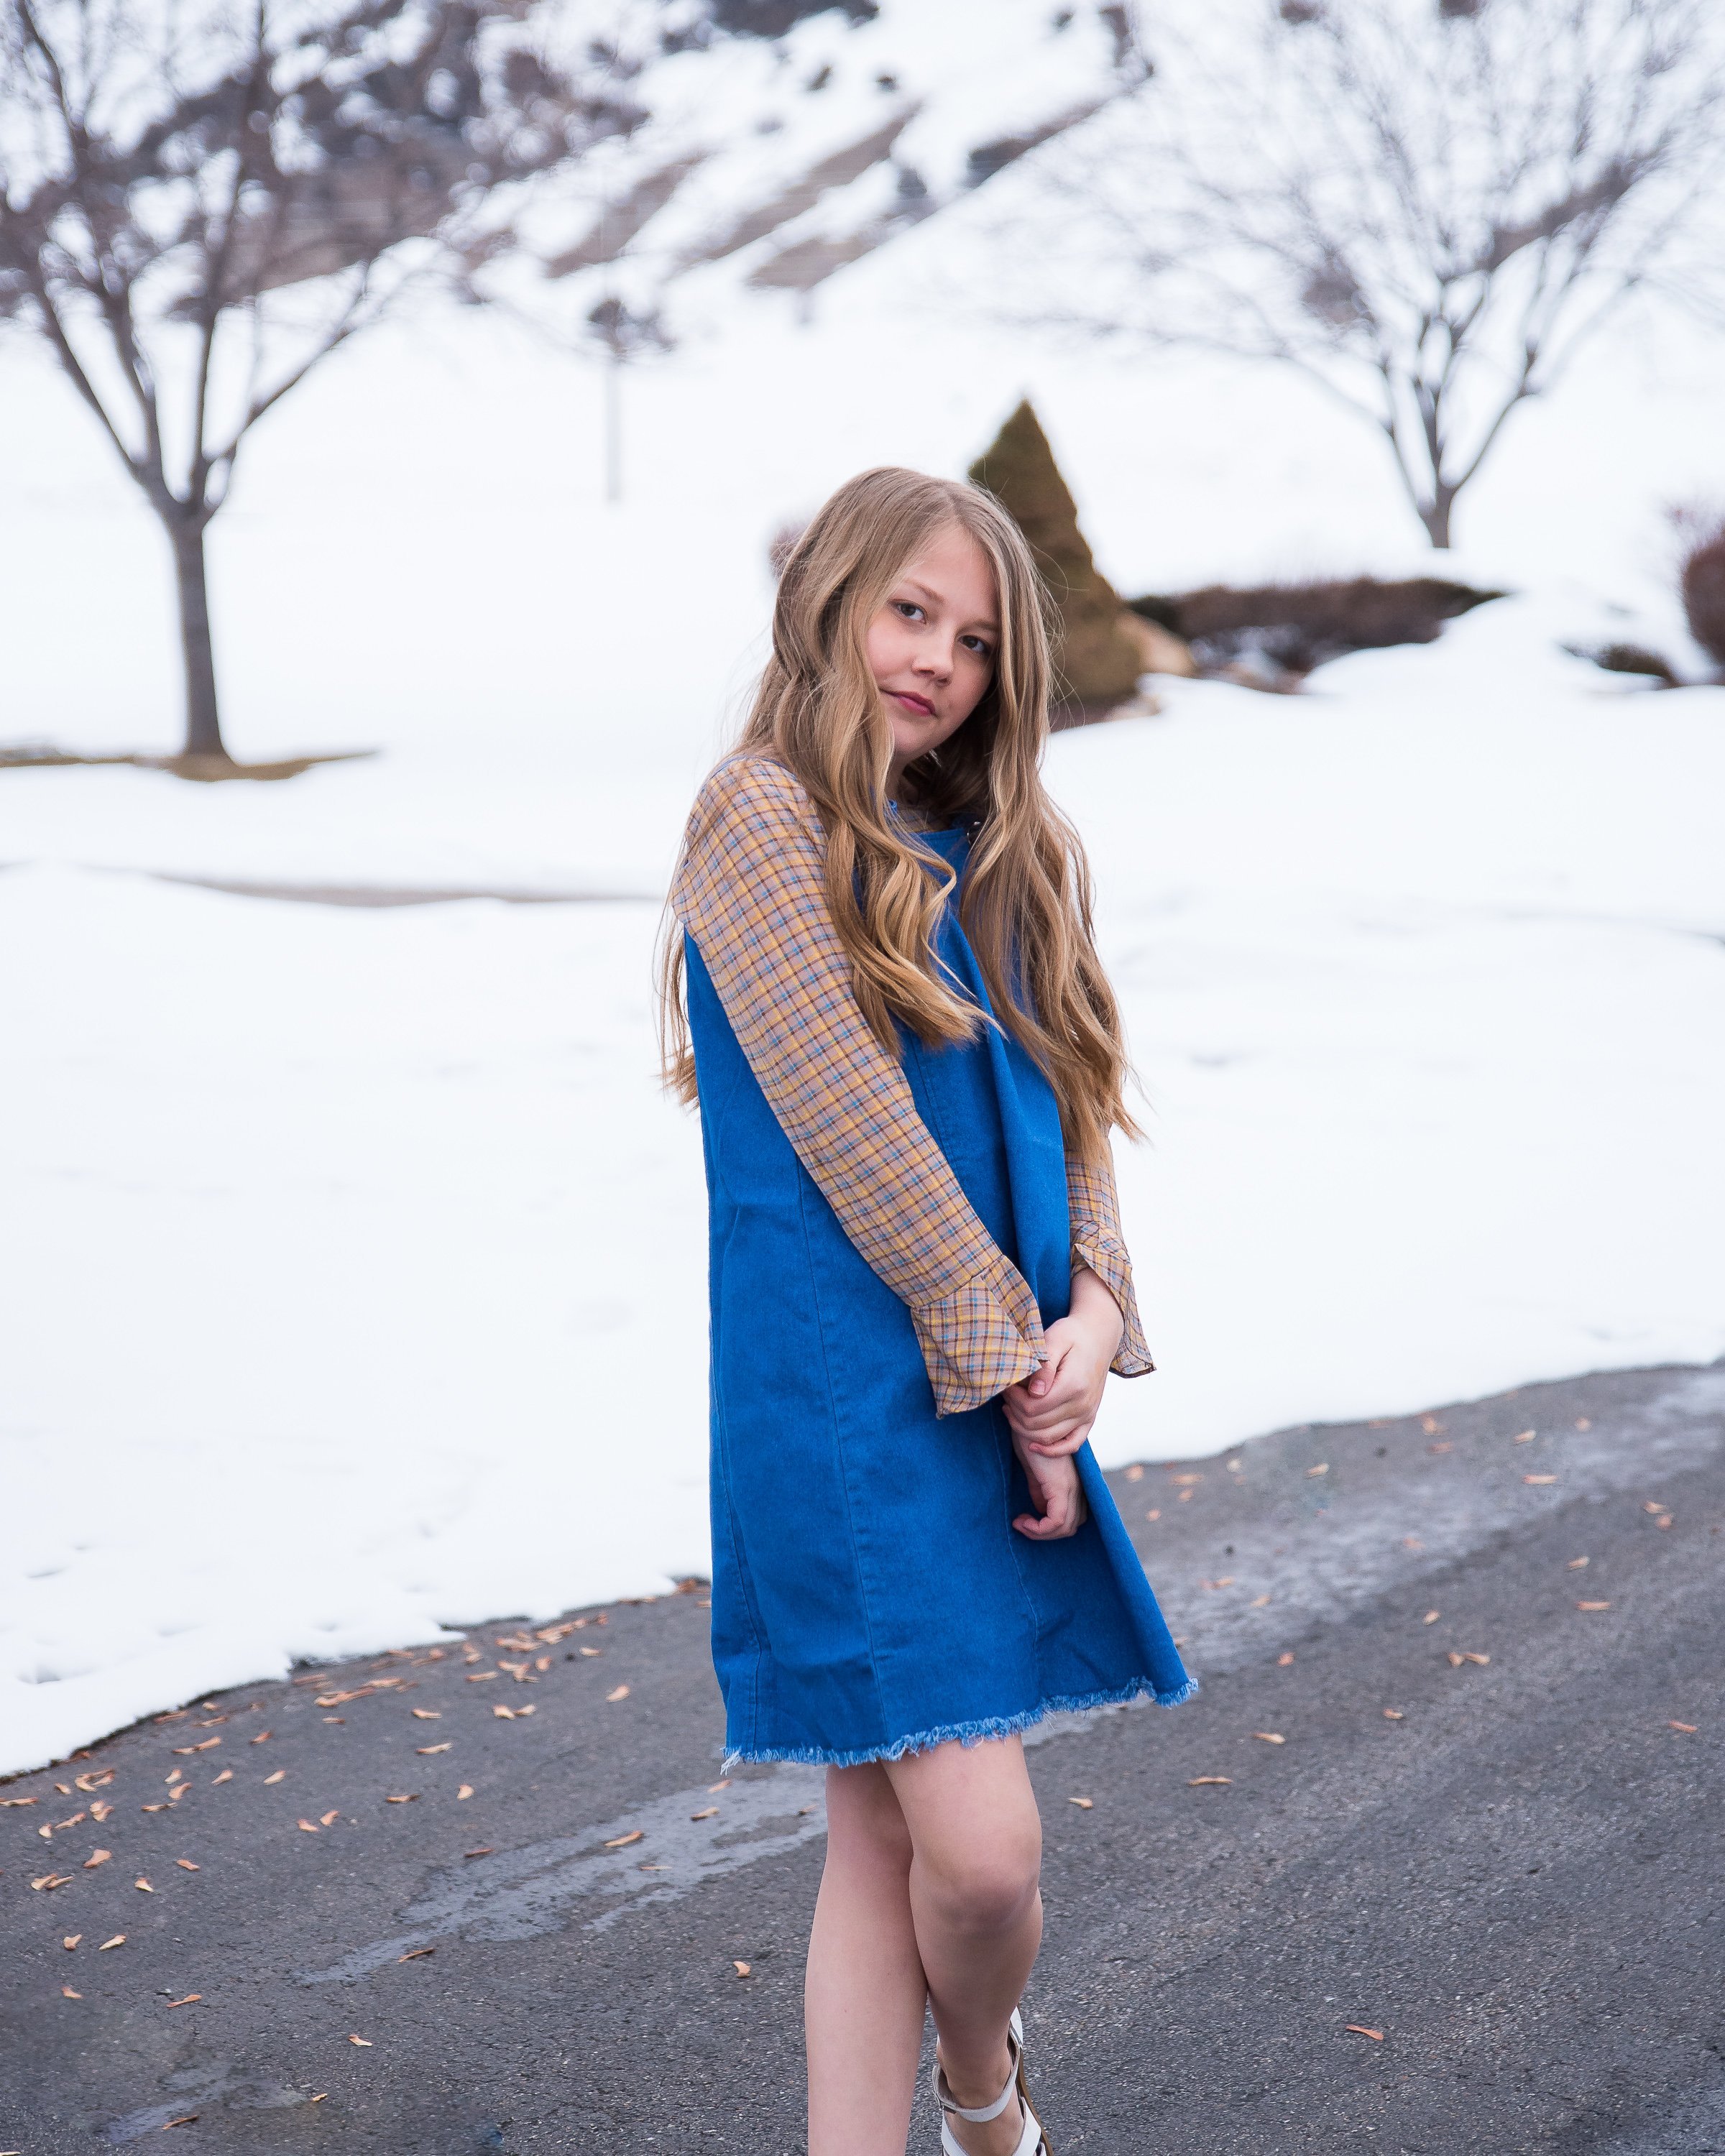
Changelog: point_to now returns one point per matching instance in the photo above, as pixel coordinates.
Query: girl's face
(931, 647)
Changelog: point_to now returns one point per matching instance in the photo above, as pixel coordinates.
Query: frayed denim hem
(959, 1733)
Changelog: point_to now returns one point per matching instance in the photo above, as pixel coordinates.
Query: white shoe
(1031, 2142)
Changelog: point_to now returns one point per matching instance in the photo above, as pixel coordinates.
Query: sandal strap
(943, 2095)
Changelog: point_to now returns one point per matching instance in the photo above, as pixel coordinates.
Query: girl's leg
(864, 1994)
(975, 1901)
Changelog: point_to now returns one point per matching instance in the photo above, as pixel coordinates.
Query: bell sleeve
(749, 891)
(1094, 1202)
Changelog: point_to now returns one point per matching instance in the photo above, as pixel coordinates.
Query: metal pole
(614, 426)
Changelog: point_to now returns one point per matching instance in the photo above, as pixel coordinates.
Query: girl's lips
(920, 705)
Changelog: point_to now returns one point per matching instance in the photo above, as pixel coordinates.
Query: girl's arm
(751, 891)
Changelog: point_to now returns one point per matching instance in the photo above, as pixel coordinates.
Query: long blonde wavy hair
(1026, 901)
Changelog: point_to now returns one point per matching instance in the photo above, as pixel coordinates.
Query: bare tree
(1427, 206)
(199, 203)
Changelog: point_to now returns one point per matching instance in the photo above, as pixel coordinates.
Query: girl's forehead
(951, 567)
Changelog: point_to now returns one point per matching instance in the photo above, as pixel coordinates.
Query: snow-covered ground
(354, 1274)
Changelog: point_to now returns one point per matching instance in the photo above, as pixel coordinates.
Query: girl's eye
(979, 644)
(908, 609)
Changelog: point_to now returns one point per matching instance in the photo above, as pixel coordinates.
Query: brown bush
(1297, 627)
(1702, 583)
(1099, 661)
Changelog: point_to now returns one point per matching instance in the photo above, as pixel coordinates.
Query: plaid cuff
(1106, 1256)
(979, 1338)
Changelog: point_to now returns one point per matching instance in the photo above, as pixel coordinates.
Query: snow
(353, 1283)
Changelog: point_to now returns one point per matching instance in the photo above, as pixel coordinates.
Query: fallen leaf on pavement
(504, 1713)
(49, 1881)
(487, 1851)
(118, 1940)
(1185, 1497)
(1260, 1602)
(364, 2042)
(1432, 1616)
(1155, 1515)
(426, 1713)
(711, 1812)
(1393, 1714)
(463, 1792)
(1524, 1437)
(306, 1827)
(1593, 1605)
(1084, 1803)
(190, 2119)
(1455, 1659)
(1134, 1474)
(95, 1857)
(411, 1799)
(72, 1938)
(6, 1802)
(143, 1885)
(1578, 1564)
(95, 1779)
(1431, 1425)
(67, 1992)
(262, 1737)
(1539, 1479)
(1268, 1737)
(185, 1863)
(1359, 2028)
(1282, 1662)
(1445, 1447)
(99, 1812)
(742, 1968)
(1688, 1728)
(328, 1819)
(226, 1775)
(714, 1788)
(1651, 1506)
(621, 1692)
(416, 1953)
(1322, 1468)
(191, 1998)
(622, 1840)
(1210, 1782)
(425, 1751)
(480, 1676)
(280, 1774)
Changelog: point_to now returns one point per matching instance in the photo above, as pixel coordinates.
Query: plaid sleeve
(1094, 1203)
(750, 890)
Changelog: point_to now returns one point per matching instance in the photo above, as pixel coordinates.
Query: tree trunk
(203, 725)
(1435, 516)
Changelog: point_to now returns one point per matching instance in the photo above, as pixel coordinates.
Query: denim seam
(805, 1186)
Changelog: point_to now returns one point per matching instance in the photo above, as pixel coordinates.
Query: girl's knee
(985, 1889)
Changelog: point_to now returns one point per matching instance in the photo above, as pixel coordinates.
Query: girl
(886, 997)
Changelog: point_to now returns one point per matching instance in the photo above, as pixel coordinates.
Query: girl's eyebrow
(910, 584)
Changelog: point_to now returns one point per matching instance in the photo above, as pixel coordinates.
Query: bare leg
(977, 1908)
(864, 1995)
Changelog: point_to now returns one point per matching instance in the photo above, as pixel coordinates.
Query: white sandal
(1032, 2142)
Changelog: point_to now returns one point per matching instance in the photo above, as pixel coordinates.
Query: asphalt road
(1515, 1878)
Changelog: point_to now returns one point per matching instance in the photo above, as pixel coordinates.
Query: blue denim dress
(871, 1595)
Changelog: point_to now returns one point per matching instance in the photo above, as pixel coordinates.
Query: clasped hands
(1050, 1412)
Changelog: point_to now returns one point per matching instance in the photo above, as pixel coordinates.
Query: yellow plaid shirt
(749, 891)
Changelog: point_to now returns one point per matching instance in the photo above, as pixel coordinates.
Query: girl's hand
(1056, 1493)
(1051, 1411)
